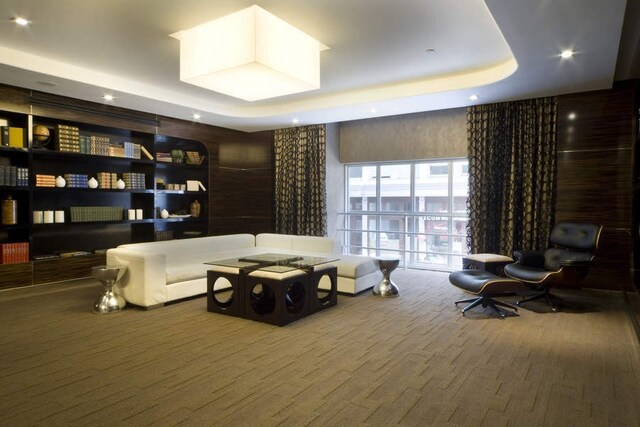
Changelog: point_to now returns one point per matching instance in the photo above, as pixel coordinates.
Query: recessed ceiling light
(568, 53)
(108, 97)
(196, 116)
(295, 120)
(21, 21)
(474, 97)
(571, 116)
(373, 110)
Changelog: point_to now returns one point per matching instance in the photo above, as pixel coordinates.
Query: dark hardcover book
(2, 167)
(13, 176)
(23, 177)
(4, 136)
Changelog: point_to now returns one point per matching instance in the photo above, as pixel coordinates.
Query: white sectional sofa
(160, 272)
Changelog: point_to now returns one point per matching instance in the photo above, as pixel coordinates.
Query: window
(395, 188)
(414, 210)
(439, 169)
(362, 188)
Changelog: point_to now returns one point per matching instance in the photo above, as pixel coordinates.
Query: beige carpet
(413, 361)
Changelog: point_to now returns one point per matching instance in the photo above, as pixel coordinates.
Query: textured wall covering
(430, 135)
(335, 182)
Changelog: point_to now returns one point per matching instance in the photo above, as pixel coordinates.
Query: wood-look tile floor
(412, 360)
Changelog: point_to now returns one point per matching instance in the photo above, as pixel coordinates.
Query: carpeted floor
(413, 361)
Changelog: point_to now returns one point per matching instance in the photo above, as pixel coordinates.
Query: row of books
(193, 158)
(45, 180)
(102, 146)
(163, 157)
(67, 138)
(107, 180)
(76, 180)
(13, 253)
(14, 176)
(93, 144)
(95, 213)
(134, 180)
(132, 150)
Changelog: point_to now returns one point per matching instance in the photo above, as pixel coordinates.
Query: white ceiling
(377, 64)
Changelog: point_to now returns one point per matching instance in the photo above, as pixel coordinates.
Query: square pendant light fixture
(250, 54)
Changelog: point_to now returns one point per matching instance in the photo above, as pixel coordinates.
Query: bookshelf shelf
(89, 190)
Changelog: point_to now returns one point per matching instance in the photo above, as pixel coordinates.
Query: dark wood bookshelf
(88, 236)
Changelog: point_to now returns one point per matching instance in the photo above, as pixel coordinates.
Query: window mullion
(450, 221)
(378, 207)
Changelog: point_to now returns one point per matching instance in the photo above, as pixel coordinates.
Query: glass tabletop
(279, 263)
(270, 258)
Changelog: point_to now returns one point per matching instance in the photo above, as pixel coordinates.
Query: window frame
(410, 250)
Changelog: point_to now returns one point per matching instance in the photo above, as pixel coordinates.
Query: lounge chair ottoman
(485, 286)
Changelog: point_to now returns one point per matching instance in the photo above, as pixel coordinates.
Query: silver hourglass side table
(109, 301)
(386, 288)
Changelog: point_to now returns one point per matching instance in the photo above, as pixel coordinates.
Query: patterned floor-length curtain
(512, 175)
(300, 180)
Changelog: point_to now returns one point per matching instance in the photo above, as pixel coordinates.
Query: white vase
(92, 183)
(120, 184)
(164, 213)
(60, 182)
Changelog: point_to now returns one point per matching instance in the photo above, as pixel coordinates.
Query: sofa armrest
(144, 283)
(529, 258)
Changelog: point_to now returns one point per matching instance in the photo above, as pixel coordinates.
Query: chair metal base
(539, 295)
(487, 302)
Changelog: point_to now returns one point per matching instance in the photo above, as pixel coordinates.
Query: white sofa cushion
(196, 245)
(355, 266)
(313, 244)
(306, 244)
(185, 272)
(183, 267)
(275, 241)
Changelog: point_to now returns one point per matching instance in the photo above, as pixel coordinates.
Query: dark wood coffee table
(272, 288)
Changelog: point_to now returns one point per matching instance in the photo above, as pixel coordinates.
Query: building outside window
(414, 210)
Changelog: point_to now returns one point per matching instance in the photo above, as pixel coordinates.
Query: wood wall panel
(590, 183)
(76, 110)
(246, 192)
(201, 132)
(612, 269)
(603, 119)
(14, 99)
(252, 225)
(57, 270)
(596, 135)
(15, 275)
